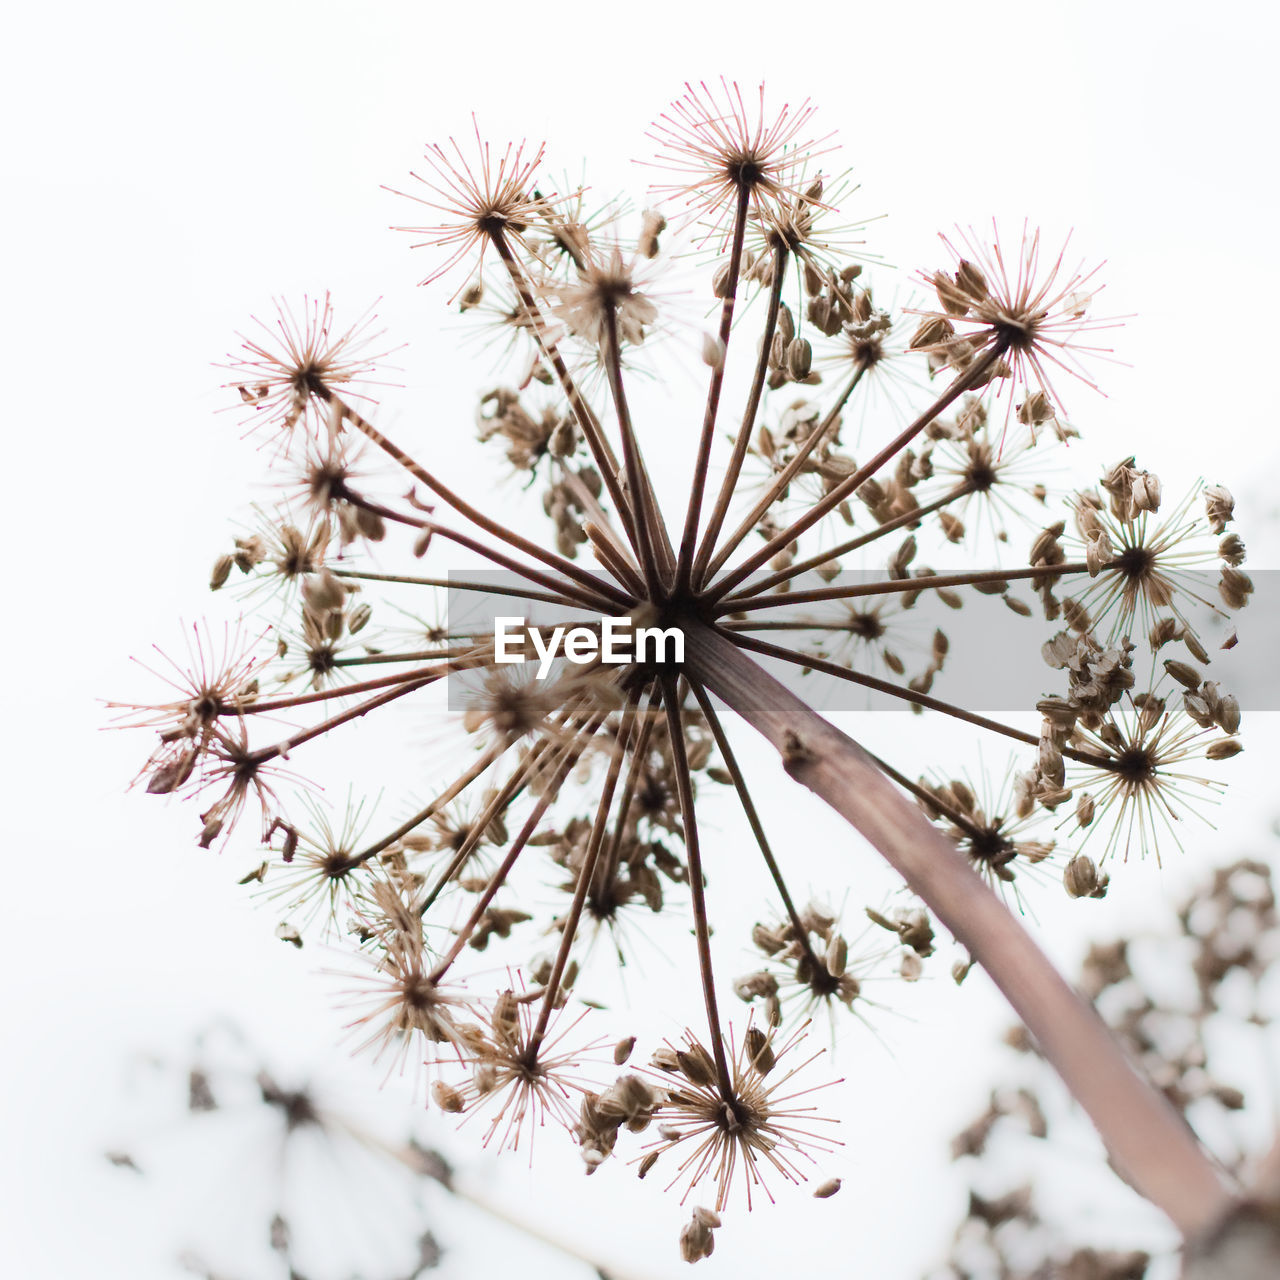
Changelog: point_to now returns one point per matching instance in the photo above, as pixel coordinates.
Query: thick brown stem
(1147, 1140)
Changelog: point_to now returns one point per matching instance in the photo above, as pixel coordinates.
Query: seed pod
(1224, 749)
(971, 280)
(447, 1098)
(755, 985)
(1185, 674)
(931, 332)
(370, 524)
(1231, 549)
(1219, 506)
(168, 777)
(825, 1190)
(285, 931)
(564, 439)
(1227, 713)
(786, 326)
(799, 359)
(322, 593)
(1146, 492)
(1081, 876)
(471, 296)
(773, 1011)
(837, 955)
(949, 294)
(221, 572)
(760, 1051)
(652, 225)
(1084, 809)
(720, 281)
(1163, 630)
(665, 1059)
(358, 618)
(1050, 762)
(506, 1018)
(1097, 555)
(622, 1050)
(696, 1066)
(1020, 607)
(1035, 409)
(1194, 647)
(1235, 587)
(770, 941)
(910, 967)
(713, 351)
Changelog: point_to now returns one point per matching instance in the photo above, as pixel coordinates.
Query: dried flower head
(723, 153)
(480, 204)
(596, 633)
(748, 1121)
(1013, 318)
(283, 372)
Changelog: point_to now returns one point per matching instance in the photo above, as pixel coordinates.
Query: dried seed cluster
(591, 778)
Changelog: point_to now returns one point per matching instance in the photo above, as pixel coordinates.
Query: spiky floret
(1149, 567)
(1036, 317)
(522, 1068)
(1143, 788)
(720, 151)
(478, 202)
(281, 370)
(755, 1124)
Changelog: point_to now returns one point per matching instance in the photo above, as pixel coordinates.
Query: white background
(168, 169)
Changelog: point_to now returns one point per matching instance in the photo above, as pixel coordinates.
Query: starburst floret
(480, 205)
(995, 831)
(754, 1124)
(605, 286)
(1144, 567)
(287, 370)
(219, 680)
(521, 1067)
(722, 151)
(1033, 319)
(409, 1010)
(1141, 783)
